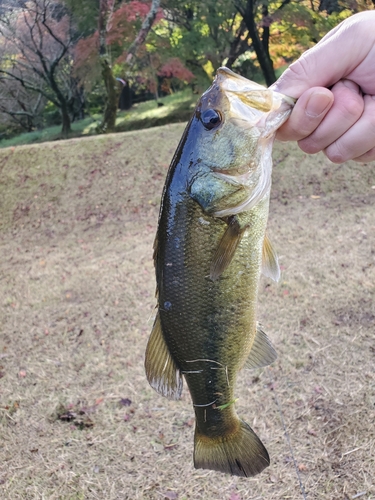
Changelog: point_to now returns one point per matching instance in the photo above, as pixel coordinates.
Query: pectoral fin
(270, 262)
(161, 371)
(226, 248)
(262, 352)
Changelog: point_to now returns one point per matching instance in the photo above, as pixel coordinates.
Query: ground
(78, 419)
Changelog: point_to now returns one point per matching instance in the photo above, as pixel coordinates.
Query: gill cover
(252, 106)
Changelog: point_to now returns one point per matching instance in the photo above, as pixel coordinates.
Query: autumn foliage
(122, 28)
(173, 68)
(54, 53)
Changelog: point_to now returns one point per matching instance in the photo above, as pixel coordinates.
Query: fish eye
(210, 119)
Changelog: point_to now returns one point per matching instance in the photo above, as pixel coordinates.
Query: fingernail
(352, 86)
(317, 104)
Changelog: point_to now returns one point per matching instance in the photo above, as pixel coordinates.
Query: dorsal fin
(270, 262)
(161, 370)
(226, 248)
(262, 351)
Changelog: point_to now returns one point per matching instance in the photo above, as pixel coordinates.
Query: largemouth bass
(210, 249)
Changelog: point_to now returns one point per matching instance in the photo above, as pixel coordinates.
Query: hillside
(77, 417)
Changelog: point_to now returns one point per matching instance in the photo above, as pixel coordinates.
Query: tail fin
(240, 454)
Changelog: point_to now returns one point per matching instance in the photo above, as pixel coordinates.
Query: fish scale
(209, 251)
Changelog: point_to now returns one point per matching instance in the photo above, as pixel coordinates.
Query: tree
(109, 117)
(245, 34)
(288, 27)
(36, 53)
(250, 10)
(120, 34)
(22, 106)
(205, 35)
(143, 32)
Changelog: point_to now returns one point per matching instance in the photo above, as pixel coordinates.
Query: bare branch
(29, 85)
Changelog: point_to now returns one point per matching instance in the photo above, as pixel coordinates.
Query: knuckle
(309, 146)
(353, 106)
(301, 69)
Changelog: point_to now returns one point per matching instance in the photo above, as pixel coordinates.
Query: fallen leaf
(171, 495)
(125, 402)
(170, 446)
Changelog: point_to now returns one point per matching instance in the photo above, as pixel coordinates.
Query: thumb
(313, 69)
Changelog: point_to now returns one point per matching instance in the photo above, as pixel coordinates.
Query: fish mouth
(251, 104)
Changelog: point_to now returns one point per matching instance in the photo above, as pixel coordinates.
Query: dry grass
(77, 417)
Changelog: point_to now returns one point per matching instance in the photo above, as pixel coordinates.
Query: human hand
(340, 121)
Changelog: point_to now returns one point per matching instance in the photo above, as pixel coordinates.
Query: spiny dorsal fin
(161, 371)
(270, 262)
(262, 351)
(226, 248)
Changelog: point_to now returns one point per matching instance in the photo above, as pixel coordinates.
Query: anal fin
(270, 262)
(262, 351)
(161, 370)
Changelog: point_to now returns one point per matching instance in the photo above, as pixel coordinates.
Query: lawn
(78, 419)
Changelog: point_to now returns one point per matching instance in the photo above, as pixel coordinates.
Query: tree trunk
(330, 6)
(66, 129)
(110, 111)
(238, 46)
(261, 49)
(143, 32)
(125, 100)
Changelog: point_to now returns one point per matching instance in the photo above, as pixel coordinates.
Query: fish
(210, 249)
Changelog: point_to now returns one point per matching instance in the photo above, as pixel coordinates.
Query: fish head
(239, 113)
(237, 121)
